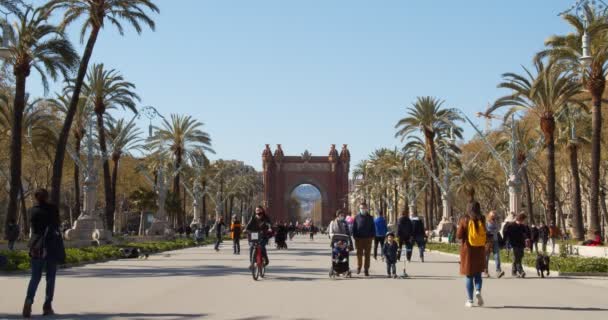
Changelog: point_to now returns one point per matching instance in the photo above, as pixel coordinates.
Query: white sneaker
(468, 304)
(479, 298)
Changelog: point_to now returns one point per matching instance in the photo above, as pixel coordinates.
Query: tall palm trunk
(69, 117)
(176, 184)
(26, 220)
(116, 160)
(596, 86)
(204, 217)
(21, 74)
(107, 179)
(528, 196)
(578, 231)
(77, 169)
(548, 127)
(396, 206)
(407, 199)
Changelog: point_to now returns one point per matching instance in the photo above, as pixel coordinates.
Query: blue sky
(307, 74)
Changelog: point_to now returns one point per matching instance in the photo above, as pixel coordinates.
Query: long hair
(474, 211)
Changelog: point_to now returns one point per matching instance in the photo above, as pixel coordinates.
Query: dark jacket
(46, 241)
(417, 228)
(390, 252)
(363, 226)
(12, 232)
(404, 228)
(534, 234)
(261, 224)
(517, 234)
(543, 233)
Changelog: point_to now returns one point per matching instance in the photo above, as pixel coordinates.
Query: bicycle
(258, 267)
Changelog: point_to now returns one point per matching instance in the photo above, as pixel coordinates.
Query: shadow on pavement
(135, 316)
(549, 308)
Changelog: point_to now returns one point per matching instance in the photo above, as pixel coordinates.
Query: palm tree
(37, 122)
(569, 50)
(125, 137)
(567, 136)
(79, 130)
(544, 94)
(108, 89)
(473, 177)
(428, 117)
(33, 43)
(95, 13)
(182, 135)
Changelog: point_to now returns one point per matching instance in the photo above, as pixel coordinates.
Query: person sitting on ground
(597, 241)
(389, 251)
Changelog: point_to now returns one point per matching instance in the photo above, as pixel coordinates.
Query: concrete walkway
(201, 284)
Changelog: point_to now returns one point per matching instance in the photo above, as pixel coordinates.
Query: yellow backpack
(477, 236)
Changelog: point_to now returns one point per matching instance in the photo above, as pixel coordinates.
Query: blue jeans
(496, 251)
(469, 283)
(38, 265)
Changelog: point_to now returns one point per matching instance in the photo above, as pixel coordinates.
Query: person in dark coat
(12, 234)
(472, 258)
(45, 254)
(543, 236)
(404, 231)
(518, 235)
(364, 232)
(534, 237)
(389, 251)
(418, 237)
(259, 223)
(219, 228)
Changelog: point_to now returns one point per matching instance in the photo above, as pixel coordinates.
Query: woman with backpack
(472, 234)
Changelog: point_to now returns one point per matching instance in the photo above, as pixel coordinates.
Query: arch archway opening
(305, 204)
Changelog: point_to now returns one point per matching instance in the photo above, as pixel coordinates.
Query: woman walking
(472, 234)
(493, 244)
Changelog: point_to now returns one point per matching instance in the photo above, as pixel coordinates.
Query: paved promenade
(201, 284)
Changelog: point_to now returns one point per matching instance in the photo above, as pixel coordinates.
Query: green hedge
(20, 261)
(567, 264)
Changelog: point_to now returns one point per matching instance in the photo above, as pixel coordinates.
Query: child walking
(390, 251)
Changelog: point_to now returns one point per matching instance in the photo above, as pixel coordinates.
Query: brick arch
(282, 174)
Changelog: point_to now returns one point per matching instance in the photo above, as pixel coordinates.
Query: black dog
(542, 265)
(132, 253)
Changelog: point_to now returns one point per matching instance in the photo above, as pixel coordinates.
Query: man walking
(534, 237)
(517, 235)
(418, 236)
(543, 235)
(46, 250)
(363, 232)
(236, 230)
(554, 235)
(381, 230)
(219, 232)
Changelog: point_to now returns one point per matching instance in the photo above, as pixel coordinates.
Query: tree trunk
(204, 217)
(396, 206)
(407, 199)
(69, 117)
(604, 209)
(176, 184)
(578, 230)
(141, 223)
(596, 136)
(107, 179)
(529, 204)
(77, 180)
(16, 143)
(26, 221)
(548, 128)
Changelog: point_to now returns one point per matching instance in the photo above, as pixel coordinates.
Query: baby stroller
(339, 257)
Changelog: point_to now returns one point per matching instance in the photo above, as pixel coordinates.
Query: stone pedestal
(87, 227)
(159, 228)
(444, 227)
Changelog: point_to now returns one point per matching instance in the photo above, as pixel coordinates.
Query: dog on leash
(542, 265)
(132, 253)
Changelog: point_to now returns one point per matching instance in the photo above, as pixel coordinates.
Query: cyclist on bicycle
(260, 223)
